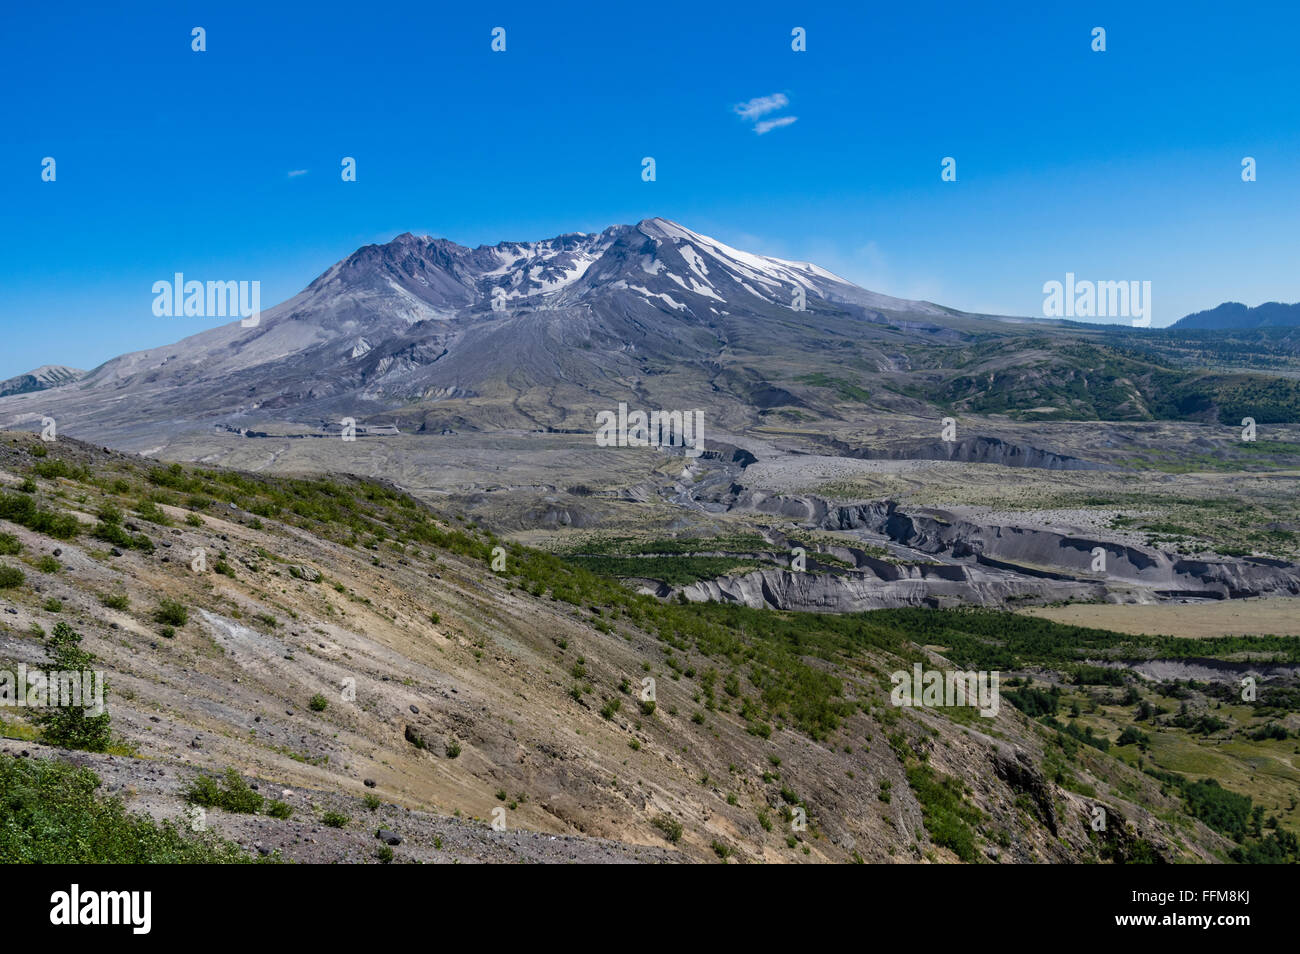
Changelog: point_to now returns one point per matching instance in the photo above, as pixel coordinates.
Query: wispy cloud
(295, 173)
(760, 106)
(768, 125)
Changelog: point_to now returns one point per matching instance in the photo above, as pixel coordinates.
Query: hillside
(521, 690)
(44, 377)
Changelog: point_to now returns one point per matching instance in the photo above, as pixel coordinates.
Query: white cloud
(294, 173)
(768, 125)
(761, 105)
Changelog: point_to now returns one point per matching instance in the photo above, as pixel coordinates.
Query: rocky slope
(511, 695)
(979, 565)
(44, 377)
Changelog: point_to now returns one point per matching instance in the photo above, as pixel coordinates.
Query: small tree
(70, 726)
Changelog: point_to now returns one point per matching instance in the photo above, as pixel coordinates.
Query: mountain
(531, 332)
(1234, 315)
(46, 376)
(540, 336)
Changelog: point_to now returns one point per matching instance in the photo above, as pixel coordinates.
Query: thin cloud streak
(767, 125)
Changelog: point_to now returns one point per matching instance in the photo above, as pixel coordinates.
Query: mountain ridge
(39, 379)
(1235, 315)
(420, 319)
(539, 336)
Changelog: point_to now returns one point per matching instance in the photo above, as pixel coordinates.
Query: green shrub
(148, 510)
(335, 820)
(318, 703)
(278, 809)
(11, 576)
(669, 826)
(9, 545)
(171, 613)
(54, 814)
(1132, 736)
(117, 601)
(114, 534)
(235, 796)
(1271, 731)
(22, 510)
(944, 812)
(52, 469)
(110, 530)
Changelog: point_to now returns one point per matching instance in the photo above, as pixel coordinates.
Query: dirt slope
(448, 658)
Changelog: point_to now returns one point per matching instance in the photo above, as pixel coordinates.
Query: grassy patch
(54, 814)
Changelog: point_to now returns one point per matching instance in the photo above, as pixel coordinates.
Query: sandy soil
(1275, 616)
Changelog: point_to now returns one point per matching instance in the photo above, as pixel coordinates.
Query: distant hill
(1234, 315)
(46, 376)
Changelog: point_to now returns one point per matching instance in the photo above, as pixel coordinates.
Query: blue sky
(1123, 165)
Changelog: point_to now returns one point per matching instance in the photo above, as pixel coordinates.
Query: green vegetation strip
(53, 813)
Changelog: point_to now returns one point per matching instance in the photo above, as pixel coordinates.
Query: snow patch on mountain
(648, 294)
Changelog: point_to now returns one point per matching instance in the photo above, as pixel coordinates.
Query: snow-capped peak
(766, 277)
